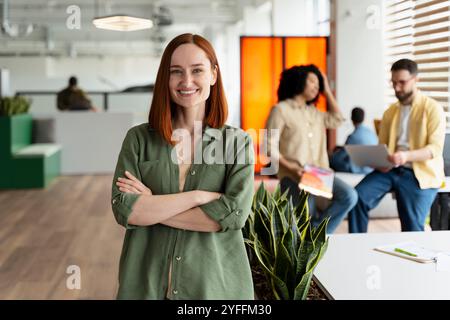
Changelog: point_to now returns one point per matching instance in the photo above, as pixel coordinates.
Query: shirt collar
(295, 104)
(205, 131)
(208, 132)
(416, 99)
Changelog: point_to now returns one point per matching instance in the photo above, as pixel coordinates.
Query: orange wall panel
(307, 51)
(261, 66)
(262, 61)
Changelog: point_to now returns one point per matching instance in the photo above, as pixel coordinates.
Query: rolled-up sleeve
(232, 209)
(122, 203)
(436, 130)
(333, 120)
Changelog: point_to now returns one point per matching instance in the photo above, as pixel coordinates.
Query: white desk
(352, 270)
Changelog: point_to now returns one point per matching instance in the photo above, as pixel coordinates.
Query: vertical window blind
(420, 30)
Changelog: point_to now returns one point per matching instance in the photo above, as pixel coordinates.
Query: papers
(374, 156)
(411, 251)
(443, 262)
(317, 181)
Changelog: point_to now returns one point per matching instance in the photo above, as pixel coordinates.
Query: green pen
(405, 252)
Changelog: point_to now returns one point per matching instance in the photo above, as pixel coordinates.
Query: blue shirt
(340, 160)
(362, 135)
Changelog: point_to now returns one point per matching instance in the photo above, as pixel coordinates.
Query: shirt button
(237, 212)
(114, 201)
(175, 291)
(178, 258)
(193, 172)
(310, 135)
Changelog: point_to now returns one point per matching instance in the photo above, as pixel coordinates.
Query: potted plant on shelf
(14, 120)
(283, 247)
(13, 111)
(10, 106)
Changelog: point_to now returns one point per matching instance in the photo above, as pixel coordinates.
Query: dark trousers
(344, 199)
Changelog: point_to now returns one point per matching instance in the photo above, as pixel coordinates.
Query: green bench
(23, 164)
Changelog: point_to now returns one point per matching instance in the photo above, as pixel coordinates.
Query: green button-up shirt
(205, 265)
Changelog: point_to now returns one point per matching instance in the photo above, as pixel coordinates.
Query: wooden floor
(43, 232)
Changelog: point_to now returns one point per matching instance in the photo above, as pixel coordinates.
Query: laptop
(447, 154)
(374, 156)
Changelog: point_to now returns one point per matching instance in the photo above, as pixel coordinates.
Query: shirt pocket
(152, 174)
(291, 128)
(213, 177)
(292, 132)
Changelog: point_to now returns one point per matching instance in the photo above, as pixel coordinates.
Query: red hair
(162, 109)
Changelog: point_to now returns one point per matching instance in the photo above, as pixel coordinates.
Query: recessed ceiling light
(122, 23)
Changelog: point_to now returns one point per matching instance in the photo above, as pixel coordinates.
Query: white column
(360, 73)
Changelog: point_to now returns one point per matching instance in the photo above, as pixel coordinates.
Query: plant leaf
(302, 289)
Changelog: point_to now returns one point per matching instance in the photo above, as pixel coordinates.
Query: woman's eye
(197, 70)
(175, 71)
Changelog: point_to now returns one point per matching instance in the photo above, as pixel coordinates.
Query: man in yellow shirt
(414, 131)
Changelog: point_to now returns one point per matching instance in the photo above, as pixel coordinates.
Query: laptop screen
(447, 154)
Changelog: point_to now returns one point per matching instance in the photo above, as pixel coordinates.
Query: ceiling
(45, 27)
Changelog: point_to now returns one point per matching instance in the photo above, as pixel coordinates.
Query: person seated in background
(340, 160)
(73, 98)
(413, 129)
(303, 140)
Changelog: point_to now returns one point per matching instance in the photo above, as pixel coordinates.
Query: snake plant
(283, 243)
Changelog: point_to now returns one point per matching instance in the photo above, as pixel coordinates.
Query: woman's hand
(326, 84)
(296, 170)
(132, 185)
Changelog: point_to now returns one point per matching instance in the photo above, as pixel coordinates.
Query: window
(420, 30)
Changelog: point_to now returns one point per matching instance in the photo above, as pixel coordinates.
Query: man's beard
(404, 97)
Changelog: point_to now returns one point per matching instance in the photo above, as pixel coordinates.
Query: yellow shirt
(426, 129)
(302, 133)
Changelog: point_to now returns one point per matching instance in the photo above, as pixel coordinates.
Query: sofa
(24, 164)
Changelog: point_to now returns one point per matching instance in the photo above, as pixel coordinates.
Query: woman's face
(312, 87)
(191, 76)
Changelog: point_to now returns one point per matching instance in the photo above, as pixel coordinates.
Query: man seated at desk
(73, 98)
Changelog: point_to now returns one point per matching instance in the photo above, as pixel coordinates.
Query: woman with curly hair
(303, 139)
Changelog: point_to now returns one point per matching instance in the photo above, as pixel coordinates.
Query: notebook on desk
(411, 251)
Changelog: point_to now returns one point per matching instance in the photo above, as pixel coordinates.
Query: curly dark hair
(293, 82)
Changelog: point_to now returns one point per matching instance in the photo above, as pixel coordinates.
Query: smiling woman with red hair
(184, 219)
